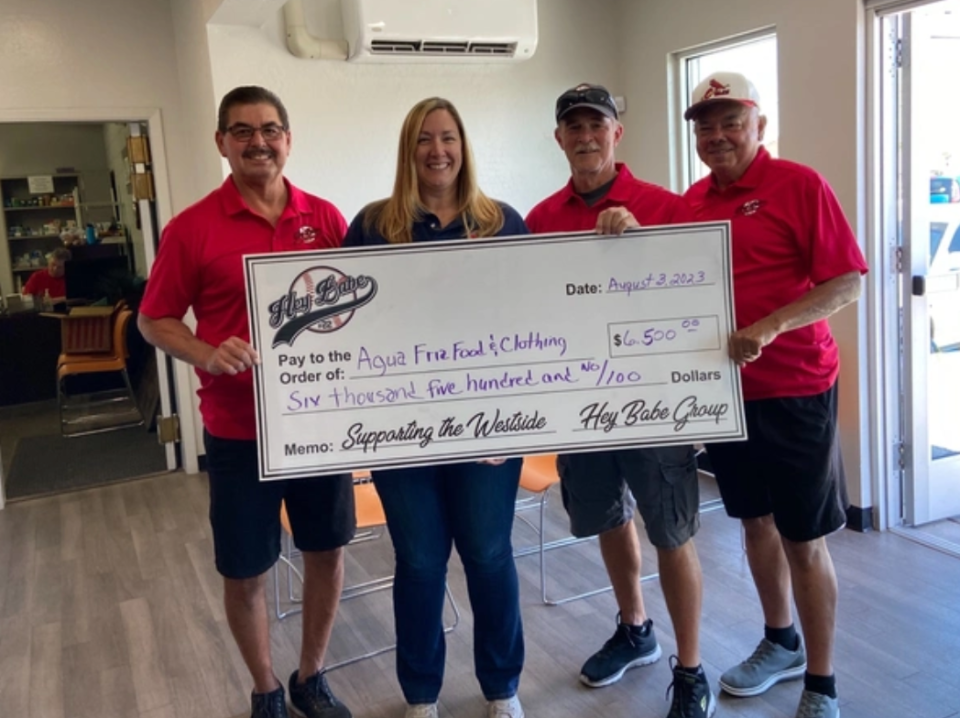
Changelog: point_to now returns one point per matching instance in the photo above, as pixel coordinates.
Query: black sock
(824, 685)
(785, 637)
(642, 630)
(698, 671)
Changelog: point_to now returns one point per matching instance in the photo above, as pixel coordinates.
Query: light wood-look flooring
(110, 608)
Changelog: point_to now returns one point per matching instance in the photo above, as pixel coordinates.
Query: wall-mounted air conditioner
(440, 30)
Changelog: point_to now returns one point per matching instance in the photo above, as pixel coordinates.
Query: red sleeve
(694, 196)
(34, 284)
(338, 227)
(175, 275)
(832, 247)
(681, 212)
(533, 220)
(329, 222)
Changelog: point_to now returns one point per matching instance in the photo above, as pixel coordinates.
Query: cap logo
(716, 89)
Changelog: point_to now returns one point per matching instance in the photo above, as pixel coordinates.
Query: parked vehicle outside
(944, 304)
(944, 190)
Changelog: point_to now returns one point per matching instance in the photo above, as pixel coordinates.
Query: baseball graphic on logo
(325, 283)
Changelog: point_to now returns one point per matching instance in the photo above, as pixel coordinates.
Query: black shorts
(789, 467)
(245, 512)
(601, 489)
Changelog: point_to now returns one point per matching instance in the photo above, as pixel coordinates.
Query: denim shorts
(245, 512)
(602, 489)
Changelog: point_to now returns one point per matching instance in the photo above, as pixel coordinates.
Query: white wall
(100, 54)
(346, 117)
(821, 92)
(198, 100)
(30, 148)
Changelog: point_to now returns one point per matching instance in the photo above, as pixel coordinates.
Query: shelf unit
(31, 222)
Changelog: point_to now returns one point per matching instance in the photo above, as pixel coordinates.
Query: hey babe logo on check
(321, 300)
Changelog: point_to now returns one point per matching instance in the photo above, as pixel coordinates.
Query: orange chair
(371, 522)
(112, 358)
(538, 475)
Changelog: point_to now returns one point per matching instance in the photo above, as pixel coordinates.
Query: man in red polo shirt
(602, 489)
(49, 281)
(199, 265)
(795, 262)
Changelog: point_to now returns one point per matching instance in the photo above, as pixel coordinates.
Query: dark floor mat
(50, 464)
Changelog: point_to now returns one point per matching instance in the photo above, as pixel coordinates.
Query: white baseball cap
(722, 86)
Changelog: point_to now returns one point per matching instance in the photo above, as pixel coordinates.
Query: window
(754, 56)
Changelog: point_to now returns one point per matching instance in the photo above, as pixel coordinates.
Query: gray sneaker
(817, 705)
(769, 664)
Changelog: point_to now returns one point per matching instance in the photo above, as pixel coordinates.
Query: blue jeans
(429, 509)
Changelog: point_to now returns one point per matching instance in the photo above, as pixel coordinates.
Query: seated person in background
(50, 280)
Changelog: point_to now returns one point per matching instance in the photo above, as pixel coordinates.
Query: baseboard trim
(860, 519)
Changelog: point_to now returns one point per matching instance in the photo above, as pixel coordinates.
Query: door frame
(181, 372)
(884, 420)
(896, 477)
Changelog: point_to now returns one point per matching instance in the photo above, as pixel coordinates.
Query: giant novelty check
(453, 351)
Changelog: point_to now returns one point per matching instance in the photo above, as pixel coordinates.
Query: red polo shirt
(41, 280)
(789, 234)
(565, 211)
(200, 265)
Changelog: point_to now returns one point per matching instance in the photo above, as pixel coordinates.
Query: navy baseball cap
(594, 97)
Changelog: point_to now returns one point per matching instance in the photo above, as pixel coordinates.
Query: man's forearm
(819, 303)
(175, 338)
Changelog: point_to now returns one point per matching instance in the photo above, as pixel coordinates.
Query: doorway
(92, 163)
(920, 200)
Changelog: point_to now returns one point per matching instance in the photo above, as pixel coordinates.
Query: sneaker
(421, 710)
(269, 705)
(624, 650)
(817, 705)
(314, 699)
(769, 664)
(692, 697)
(507, 708)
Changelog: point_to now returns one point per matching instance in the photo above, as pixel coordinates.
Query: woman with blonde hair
(430, 509)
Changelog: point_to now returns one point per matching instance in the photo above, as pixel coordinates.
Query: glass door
(923, 50)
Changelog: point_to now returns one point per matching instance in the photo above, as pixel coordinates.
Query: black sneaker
(629, 647)
(692, 697)
(269, 705)
(314, 699)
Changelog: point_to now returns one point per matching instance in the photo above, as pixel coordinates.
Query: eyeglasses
(245, 133)
(588, 96)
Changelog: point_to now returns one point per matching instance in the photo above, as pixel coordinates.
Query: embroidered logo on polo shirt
(306, 235)
(751, 207)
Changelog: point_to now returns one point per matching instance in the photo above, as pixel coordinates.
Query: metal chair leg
(349, 592)
(393, 646)
(132, 395)
(543, 546)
